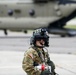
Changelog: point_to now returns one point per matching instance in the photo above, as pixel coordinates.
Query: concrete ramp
(65, 63)
(11, 63)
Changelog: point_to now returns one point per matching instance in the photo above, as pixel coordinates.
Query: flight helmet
(38, 34)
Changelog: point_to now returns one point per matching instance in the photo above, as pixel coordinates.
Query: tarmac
(62, 52)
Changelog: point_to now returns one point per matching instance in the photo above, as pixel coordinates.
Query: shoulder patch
(31, 55)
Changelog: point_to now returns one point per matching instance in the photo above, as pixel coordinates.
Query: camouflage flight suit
(32, 59)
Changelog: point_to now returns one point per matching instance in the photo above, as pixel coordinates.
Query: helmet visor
(42, 37)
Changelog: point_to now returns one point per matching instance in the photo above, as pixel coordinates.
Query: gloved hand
(43, 67)
(45, 72)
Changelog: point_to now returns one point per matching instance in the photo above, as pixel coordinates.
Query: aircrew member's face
(40, 42)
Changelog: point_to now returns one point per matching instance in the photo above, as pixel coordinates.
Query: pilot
(36, 59)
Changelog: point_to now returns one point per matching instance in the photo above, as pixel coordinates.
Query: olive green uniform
(32, 59)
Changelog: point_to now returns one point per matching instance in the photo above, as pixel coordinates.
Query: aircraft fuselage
(27, 14)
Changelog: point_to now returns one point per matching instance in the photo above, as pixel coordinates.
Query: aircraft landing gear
(5, 32)
(25, 31)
